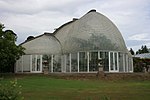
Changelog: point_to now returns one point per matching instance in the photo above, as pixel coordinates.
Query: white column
(99, 55)
(30, 63)
(117, 62)
(123, 62)
(22, 64)
(109, 61)
(52, 63)
(70, 61)
(88, 61)
(127, 66)
(41, 63)
(35, 68)
(78, 61)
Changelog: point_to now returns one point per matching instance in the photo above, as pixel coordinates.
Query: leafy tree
(11, 91)
(9, 51)
(131, 51)
(143, 49)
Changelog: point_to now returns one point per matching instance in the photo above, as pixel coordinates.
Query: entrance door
(113, 62)
(37, 63)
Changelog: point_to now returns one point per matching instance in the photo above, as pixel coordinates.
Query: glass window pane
(56, 63)
(105, 61)
(82, 62)
(111, 61)
(68, 63)
(93, 61)
(115, 54)
(33, 63)
(46, 62)
(120, 62)
(74, 62)
(38, 63)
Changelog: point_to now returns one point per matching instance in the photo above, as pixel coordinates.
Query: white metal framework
(83, 62)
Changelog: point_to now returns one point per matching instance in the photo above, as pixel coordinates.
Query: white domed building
(77, 47)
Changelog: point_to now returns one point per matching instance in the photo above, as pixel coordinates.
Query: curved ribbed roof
(93, 31)
(43, 44)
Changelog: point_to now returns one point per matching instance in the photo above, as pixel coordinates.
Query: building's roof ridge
(45, 33)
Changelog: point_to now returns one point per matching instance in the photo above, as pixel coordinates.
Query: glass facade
(76, 62)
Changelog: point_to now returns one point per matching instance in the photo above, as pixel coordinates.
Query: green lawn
(48, 88)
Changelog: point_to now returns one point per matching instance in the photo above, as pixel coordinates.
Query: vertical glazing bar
(88, 61)
(117, 62)
(30, 63)
(127, 60)
(78, 60)
(35, 68)
(70, 61)
(99, 55)
(109, 62)
(52, 63)
(40, 63)
(123, 62)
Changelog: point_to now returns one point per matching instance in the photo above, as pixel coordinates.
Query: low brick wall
(86, 76)
(106, 76)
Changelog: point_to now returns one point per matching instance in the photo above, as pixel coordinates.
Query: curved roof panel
(43, 44)
(93, 31)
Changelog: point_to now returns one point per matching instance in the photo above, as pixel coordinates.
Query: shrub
(10, 91)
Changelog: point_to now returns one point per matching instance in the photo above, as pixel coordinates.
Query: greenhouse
(77, 47)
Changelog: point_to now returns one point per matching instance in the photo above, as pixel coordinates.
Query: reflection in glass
(82, 62)
(74, 62)
(56, 63)
(67, 62)
(46, 62)
(93, 61)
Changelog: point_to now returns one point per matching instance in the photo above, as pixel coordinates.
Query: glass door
(113, 62)
(36, 63)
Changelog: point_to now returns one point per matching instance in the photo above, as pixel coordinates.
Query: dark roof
(46, 33)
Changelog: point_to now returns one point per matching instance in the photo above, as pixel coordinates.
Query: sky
(34, 17)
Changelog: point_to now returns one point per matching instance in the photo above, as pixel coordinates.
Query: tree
(143, 49)
(131, 51)
(9, 51)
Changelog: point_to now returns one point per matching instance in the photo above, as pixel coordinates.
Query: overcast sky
(34, 17)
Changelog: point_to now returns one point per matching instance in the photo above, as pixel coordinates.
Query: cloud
(33, 17)
(140, 37)
(37, 6)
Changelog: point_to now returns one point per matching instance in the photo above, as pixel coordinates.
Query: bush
(10, 91)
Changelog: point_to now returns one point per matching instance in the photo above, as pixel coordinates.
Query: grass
(40, 87)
